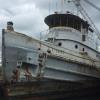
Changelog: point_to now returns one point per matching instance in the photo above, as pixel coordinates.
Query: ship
(67, 61)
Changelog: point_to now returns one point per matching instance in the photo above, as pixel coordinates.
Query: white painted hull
(58, 65)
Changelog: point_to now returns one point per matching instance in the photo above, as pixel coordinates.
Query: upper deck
(66, 20)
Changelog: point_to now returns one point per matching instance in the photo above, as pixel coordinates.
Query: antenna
(49, 6)
(62, 6)
(56, 5)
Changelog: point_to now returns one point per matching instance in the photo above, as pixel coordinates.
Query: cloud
(27, 18)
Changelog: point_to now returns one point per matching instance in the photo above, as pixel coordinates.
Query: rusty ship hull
(49, 90)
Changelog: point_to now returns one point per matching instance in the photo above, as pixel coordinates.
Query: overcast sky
(28, 15)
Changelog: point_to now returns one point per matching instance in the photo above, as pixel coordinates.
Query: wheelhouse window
(66, 20)
(83, 37)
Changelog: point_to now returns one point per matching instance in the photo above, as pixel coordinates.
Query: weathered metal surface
(17, 51)
(21, 60)
(49, 90)
(21, 63)
(34, 69)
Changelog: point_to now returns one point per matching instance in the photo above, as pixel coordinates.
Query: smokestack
(10, 26)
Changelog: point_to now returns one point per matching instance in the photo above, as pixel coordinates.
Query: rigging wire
(86, 17)
(93, 5)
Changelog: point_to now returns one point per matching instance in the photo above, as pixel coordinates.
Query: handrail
(60, 49)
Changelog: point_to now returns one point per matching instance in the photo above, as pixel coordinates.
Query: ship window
(76, 46)
(50, 39)
(83, 38)
(59, 44)
(83, 49)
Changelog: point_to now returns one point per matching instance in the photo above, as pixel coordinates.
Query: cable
(94, 6)
(85, 15)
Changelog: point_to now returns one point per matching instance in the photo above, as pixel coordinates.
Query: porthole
(29, 59)
(76, 46)
(49, 51)
(59, 44)
(39, 48)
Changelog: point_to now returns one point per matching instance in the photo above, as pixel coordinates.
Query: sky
(28, 15)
